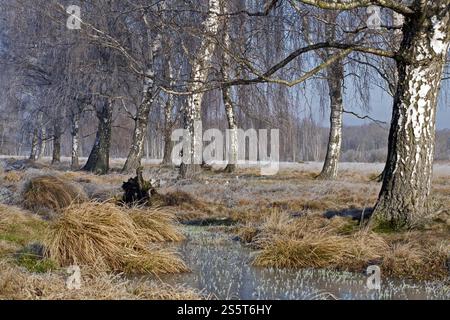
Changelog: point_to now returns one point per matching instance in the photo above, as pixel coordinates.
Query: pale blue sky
(381, 109)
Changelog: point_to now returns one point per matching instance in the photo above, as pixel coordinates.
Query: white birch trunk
(168, 124)
(335, 87)
(141, 121)
(34, 144)
(404, 197)
(42, 143)
(232, 144)
(75, 164)
(200, 69)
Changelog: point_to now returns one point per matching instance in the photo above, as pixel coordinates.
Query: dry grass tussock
(417, 260)
(107, 237)
(156, 224)
(314, 242)
(51, 193)
(190, 208)
(16, 283)
(338, 243)
(13, 176)
(179, 198)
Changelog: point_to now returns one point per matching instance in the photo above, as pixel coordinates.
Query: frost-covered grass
(224, 269)
(298, 240)
(250, 200)
(308, 242)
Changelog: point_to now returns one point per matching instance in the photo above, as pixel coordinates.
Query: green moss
(24, 233)
(34, 263)
(384, 227)
(349, 228)
(11, 237)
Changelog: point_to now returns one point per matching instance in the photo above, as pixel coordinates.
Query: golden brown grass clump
(12, 176)
(106, 237)
(247, 233)
(16, 283)
(51, 192)
(338, 243)
(425, 262)
(178, 198)
(156, 224)
(309, 242)
(189, 207)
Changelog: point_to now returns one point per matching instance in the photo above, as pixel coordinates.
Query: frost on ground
(270, 224)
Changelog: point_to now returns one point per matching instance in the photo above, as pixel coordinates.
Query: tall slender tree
(150, 89)
(232, 143)
(191, 159)
(335, 83)
(404, 197)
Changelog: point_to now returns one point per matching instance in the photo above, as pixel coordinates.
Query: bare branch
(349, 5)
(364, 117)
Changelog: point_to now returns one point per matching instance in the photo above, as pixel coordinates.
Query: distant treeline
(307, 142)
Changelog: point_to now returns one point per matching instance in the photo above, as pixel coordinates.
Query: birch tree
(192, 110)
(168, 119)
(404, 197)
(149, 91)
(75, 134)
(335, 83)
(335, 78)
(230, 112)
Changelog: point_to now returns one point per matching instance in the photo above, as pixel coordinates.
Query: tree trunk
(56, 155)
(34, 153)
(98, 161)
(168, 124)
(143, 112)
(167, 158)
(192, 160)
(335, 85)
(233, 131)
(42, 143)
(404, 197)
(140, 131)
(34, 144)
(232, 144)
(137, 191)
(75, 164)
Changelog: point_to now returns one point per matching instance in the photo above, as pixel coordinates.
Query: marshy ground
(241, 235)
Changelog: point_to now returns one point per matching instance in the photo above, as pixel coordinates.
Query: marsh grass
(104, 236)
(48, 192)
(306, 242)
(18, 229)
(12, 176)
(418, 261)
(17, 283)
(156, 224)
(187, 207)
(34, 263)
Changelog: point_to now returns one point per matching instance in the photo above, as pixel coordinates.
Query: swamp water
(221, 268)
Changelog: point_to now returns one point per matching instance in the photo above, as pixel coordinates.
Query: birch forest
(224, 149)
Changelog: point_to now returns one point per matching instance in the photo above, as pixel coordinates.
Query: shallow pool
(222, 269)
